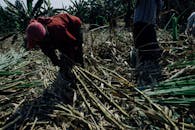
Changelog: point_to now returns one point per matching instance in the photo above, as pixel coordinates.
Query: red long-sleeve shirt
(62, 34)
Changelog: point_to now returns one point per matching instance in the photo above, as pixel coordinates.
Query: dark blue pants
(145, 41)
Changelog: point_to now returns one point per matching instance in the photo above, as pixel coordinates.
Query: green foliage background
(15, 17)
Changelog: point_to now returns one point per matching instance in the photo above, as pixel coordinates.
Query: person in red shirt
(61, 32)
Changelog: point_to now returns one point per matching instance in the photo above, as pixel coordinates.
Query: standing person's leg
(149, 49)
(138, 41)
(148, 52)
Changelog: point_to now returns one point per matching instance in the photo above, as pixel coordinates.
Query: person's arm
(52, 55)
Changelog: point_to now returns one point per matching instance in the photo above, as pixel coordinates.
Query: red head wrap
(35, 33)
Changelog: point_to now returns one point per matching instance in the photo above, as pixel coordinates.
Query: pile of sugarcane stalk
(107, 96)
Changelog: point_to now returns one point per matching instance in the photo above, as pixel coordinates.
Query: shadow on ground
(40, 110)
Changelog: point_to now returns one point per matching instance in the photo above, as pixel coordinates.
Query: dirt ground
(107, 97)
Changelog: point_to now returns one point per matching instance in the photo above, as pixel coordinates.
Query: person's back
(64, 34)
(62, 27)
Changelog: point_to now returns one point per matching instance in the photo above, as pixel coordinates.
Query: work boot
(148, 72)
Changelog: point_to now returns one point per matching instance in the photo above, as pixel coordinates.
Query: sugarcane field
(97, 65)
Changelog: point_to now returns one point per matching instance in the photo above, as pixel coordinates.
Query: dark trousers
(145, 41)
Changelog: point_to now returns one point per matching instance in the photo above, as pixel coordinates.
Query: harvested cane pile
(107, 98)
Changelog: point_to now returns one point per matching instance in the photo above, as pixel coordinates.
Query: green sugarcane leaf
(37, 8)
(179, 79)
(8, 73)
(181, 64)
(31, 84)
(171, 91)
(29, 6)
(184, 101)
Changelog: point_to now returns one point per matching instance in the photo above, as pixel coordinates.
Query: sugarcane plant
(129, 7)
(96, 14)
(113, 10)
(6, 22)
(80, 9)
(174, 28)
